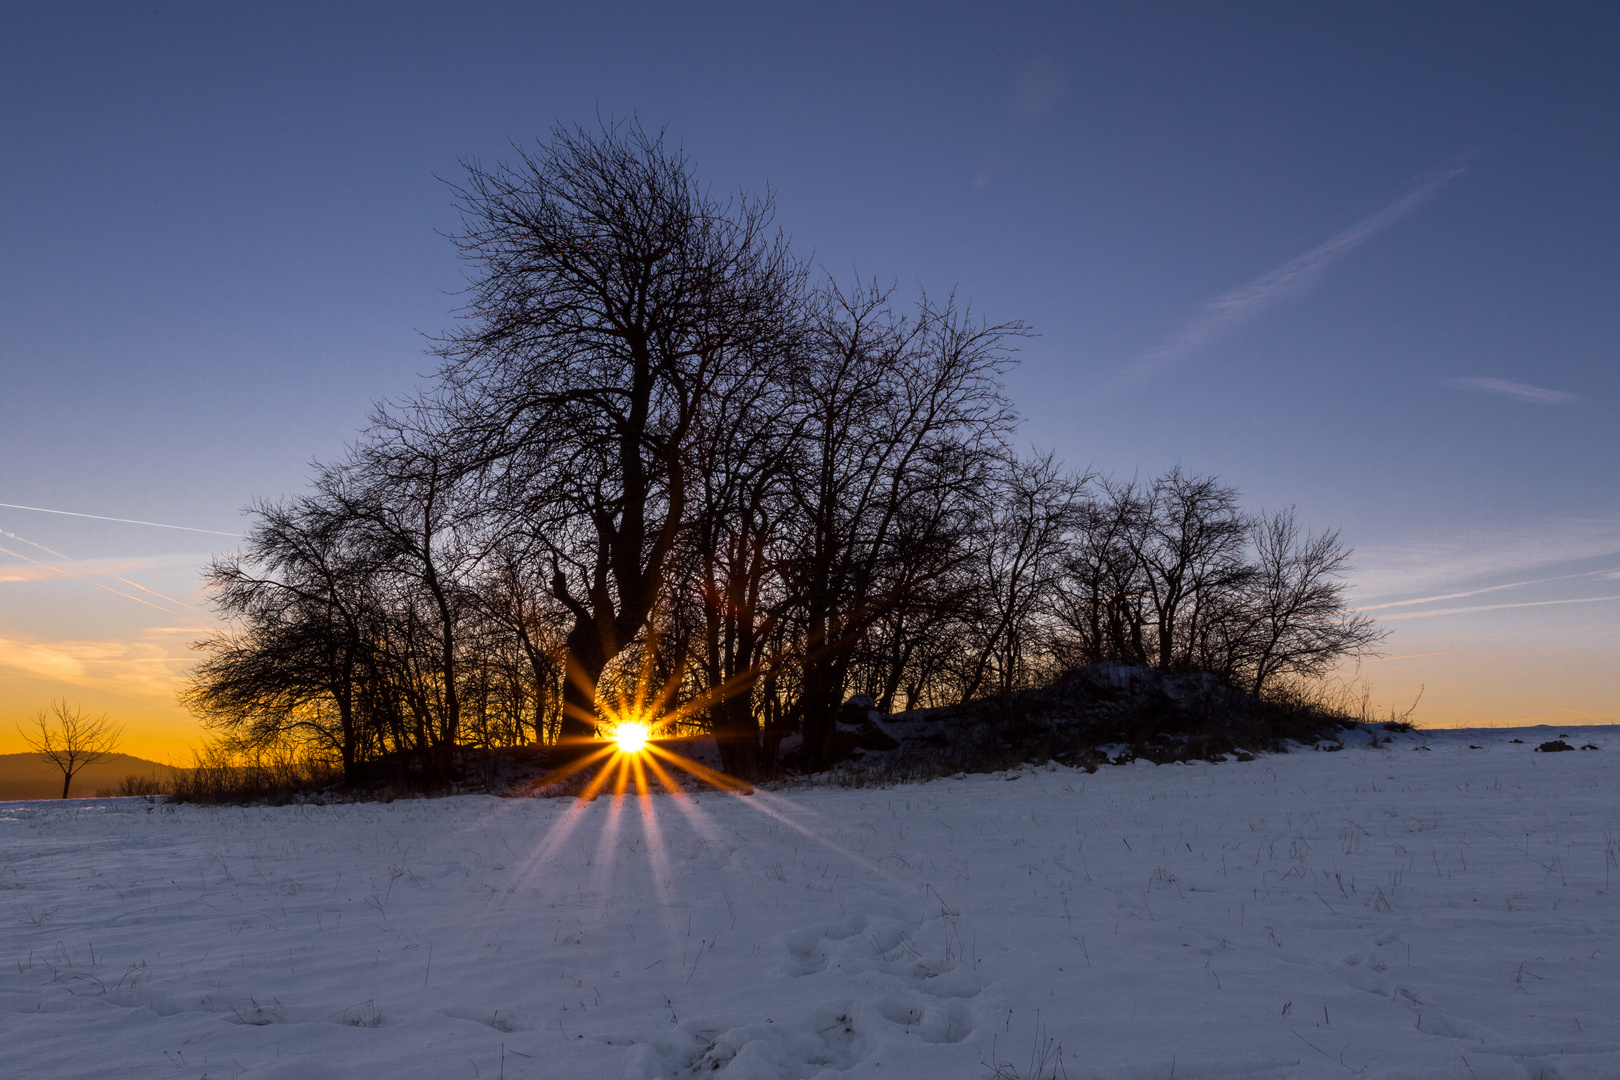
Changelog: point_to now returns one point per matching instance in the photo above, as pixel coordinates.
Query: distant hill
(32, 776)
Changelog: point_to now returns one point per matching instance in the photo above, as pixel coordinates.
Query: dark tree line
(667, 469)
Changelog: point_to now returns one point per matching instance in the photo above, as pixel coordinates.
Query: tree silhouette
(71, 740)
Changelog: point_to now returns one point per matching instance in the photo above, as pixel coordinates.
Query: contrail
(1536, 395)
(1231, 310)
(115, 577)
(126, 521)
(1476, 592)
(1497, 607)
(87, 581)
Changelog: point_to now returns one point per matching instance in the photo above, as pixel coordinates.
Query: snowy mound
(1109, 713)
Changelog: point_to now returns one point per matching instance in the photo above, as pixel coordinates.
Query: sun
(623, 752)
(631, 737)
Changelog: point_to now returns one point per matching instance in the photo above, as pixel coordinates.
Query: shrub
(223, 773)
(132, 784)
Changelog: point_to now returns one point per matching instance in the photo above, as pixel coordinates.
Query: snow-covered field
(1394, 912)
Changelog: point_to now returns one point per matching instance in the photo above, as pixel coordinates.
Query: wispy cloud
(148, 665)
(18, 573)
(1497, 607)
(80, 577)
(1519, 391)
(125, 521)
(1227, 312)
(45, 569)
(1455, 563)
(1606, 574)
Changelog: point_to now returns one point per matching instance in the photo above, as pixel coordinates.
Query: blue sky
(1358, 258)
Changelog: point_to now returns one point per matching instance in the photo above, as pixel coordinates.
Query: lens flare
(631, 737)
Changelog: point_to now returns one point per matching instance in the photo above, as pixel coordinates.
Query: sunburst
(629, 718)
(632, 757)
(633, 722)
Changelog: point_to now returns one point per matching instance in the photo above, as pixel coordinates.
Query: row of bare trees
(666, 468)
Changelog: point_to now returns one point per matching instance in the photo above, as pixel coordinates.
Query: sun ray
(607, 840)
(646, 768)
(558, 775)
(658, 867)
(703, 772)
(554, 838)
(699, 819)
(669, 782)
(631, 710)
(598, 782)
(657, 856)
(763, 803)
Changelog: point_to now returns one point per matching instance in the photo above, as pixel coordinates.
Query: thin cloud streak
(87, 581)
(1540, 631)
(1231, 310)
(1534, 395)
(1489, 589)
(1496, 607)
(105, 573)
(1398, 571)
(126, 521)
(26, 573)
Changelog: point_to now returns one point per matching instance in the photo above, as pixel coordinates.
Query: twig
(1318, 1049)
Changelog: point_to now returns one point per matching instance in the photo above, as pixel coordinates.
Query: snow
(1384, 913)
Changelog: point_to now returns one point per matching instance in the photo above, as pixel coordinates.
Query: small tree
(71, 740)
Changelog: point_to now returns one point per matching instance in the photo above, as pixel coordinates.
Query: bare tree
(71, 740)
(1035, 512)
(660, 470)
(299, 655)
(1099, 601)
(609, 297)
(913, 654)
(532, 618)
(729, 587)
(905, 421)
(1297, 621)
(403, 498)
(1189, 543)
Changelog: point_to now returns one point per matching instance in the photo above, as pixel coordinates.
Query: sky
(1360, 259)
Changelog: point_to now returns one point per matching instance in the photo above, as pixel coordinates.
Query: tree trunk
(736, 735)
(351, 775)
(586, 660)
